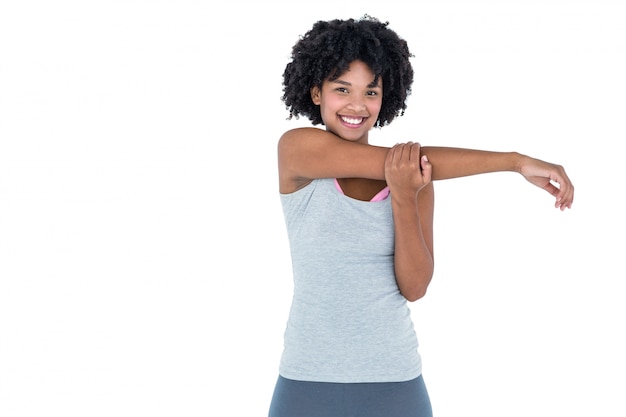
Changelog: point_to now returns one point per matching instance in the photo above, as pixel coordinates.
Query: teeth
(352, 120)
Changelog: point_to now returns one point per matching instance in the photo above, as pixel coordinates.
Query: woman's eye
(372, 93)
(342, 89)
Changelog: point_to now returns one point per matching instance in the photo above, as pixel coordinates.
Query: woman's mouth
(352, 120)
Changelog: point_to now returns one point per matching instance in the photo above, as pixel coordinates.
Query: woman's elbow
(413, 285)
(414, 294)
(416, 290)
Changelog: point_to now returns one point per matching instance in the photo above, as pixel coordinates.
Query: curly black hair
(327, 50)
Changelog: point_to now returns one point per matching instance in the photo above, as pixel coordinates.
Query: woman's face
(350, 104)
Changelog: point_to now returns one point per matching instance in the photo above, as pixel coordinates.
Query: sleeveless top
(348, 321)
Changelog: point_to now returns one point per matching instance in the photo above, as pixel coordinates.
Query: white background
(143, 261)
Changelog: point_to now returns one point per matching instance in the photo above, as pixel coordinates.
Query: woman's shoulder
(295, 153)
(299, 133)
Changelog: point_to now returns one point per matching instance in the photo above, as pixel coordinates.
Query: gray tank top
(348, 321)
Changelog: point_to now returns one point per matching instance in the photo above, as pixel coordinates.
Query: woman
(360, 224)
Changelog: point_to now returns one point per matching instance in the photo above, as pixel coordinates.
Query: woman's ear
(316, 95)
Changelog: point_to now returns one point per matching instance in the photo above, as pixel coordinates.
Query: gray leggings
(325, 399)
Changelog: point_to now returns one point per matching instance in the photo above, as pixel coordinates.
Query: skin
(350, 106)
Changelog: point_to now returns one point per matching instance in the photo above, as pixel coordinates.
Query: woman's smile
(353, 121)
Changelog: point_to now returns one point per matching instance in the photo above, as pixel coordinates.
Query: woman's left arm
(412, 199)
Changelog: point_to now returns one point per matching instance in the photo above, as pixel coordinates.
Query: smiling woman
(360, 224)
(143, 250)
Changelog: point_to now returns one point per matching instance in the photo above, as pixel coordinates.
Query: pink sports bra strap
(380, 196)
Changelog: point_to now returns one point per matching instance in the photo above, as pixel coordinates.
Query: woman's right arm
(458, 162)
(307, 153)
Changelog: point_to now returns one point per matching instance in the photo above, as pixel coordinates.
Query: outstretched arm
(457, 162)
(308, 153)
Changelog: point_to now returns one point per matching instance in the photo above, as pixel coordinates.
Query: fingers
(406, 170)
(564, 196)
(427, 168)
(408, 151)
(552, 178)
(565, 192)
(414, 151)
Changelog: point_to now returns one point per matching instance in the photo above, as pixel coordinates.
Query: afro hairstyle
(326, 51)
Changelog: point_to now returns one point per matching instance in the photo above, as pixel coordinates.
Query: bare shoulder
(293, 147)
(309, 153)
(300, 137)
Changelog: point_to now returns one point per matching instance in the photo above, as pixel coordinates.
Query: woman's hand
(406, 170)
(547, 176)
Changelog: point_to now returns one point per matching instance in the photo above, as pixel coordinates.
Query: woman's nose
(357, 104)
